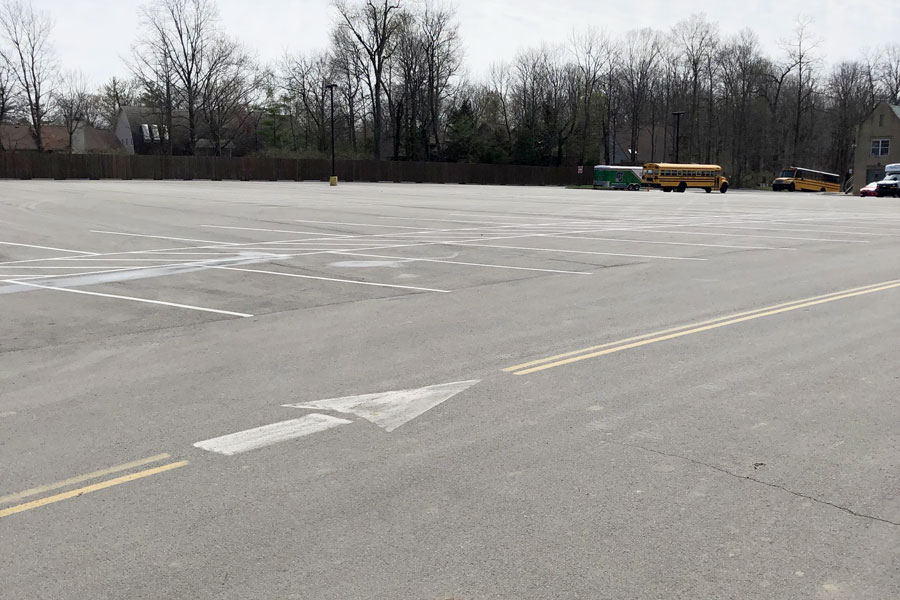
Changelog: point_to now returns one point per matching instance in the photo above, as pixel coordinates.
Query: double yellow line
(566, 358)
(36, 491)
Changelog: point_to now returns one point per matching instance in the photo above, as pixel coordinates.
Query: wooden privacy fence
(33, 165)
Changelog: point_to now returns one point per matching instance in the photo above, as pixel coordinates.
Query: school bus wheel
(708, 190)
(724, 187)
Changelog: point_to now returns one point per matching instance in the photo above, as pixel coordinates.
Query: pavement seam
(776, 486)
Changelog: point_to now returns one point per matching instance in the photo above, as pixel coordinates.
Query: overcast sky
(93, 35)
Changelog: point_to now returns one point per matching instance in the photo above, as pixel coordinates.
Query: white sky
(93, 35)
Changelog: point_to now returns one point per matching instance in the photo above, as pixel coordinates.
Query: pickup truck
(889, 186)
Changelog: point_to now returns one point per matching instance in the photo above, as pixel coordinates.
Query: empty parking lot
(236, 390)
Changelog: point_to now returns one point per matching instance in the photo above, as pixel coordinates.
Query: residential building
(85, 139)
(144, 130)
(877, 144)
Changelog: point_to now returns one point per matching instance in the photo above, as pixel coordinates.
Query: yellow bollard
(332, 181)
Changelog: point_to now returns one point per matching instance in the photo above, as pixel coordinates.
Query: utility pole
(332, 181)
(677, 114)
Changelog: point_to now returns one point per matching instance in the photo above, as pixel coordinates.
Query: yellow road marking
(88, 489)
(661, 336)
(79, 478)
(679, 328)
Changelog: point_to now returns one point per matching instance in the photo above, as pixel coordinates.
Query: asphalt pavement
(278, 390)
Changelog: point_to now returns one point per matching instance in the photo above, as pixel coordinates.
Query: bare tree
(639, 60)
(228, 90)
(742, 70)
(182, 35)
(31, 59)
(501, 87)
(589, 50)
(801, 53)
(113, 96)
(374, 25)
(851, 99)
(349, 70)
(529, 86)
(72, 103)
(697, 39)
(7, 90)
(442, 50)
(561, 104)
(406, 95)
(888, 73)
(153, 68)
(612, 90)
(304, 80)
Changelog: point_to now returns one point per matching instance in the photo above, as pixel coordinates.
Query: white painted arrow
(259, 437)
(390, 410)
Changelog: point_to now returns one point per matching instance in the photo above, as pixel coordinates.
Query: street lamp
(332, 181)
(677, 114)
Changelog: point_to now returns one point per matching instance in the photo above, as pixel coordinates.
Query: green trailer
(619, 178)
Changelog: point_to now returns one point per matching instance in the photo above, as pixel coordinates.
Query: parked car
(889, 186)
(868, 190)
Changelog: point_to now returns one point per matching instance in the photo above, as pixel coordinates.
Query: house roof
(19, 137)
(896, 110)
(150, 114)
(56, 138)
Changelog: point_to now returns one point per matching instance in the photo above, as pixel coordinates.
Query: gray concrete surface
(756, 459)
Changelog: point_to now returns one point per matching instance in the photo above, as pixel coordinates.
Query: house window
(881, 147)
(881, 120)
(145, 130)
(154, 130)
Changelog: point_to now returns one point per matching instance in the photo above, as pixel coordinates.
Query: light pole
(677, 114)
(332, 181)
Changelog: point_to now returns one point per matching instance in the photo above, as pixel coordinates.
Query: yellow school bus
(679, 177)
(807, 180)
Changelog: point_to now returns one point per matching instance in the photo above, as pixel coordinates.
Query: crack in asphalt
(776, 486)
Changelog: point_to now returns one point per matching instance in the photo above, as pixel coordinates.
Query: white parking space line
(469, 244)
(456, 262)
(165, 237)
(352, 242)
(606, 239)
(519, 216)
(48, 248)
(64, 277)
(708, 233)
(350, 281)
(357, 224)
(443, 220)
(162, 258)
(800, 230)
(131, 298)
(271, 230)
(260, 437)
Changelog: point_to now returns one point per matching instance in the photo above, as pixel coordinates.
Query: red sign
(580, 169)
